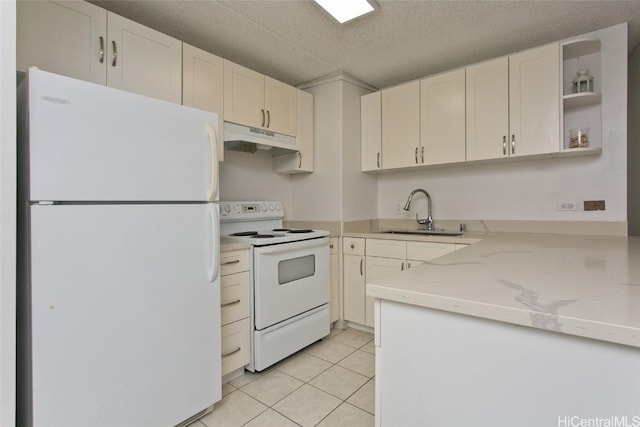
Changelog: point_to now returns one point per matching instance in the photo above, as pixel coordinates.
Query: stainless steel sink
(426, 232)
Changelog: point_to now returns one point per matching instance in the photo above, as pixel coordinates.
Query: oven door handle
(293, 246)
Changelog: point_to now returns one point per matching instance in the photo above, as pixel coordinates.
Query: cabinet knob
(353, 246)
(331, 246)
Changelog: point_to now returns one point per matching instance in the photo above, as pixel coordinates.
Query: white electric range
(290, 281)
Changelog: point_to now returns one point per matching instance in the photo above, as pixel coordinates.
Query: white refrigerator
(119, 292)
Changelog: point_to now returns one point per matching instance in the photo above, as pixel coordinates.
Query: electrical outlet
(566, 206)
(594, 205)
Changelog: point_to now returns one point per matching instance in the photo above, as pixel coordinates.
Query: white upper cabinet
(513, 106)
(143, 60)
(68, 38)
(252, 99)
(487, 109)
(83, 41)
(280, 104)
(202, 85)
(534, 101)
(302, 161)
(401, 126)
(442, 118)
(371, 132)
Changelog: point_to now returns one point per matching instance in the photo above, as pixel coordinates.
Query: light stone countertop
(466, 239)
(586, 286)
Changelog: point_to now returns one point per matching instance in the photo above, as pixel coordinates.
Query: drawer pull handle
(227, 304)
(235, 261)
(361, 264)
(232, 352)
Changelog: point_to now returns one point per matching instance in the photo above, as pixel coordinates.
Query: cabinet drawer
(387, 248)
(425, 251)
(234, 262)
(353, 246)
(333, 245)
(235, 346)
(234, 297)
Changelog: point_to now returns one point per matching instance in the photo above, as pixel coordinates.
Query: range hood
(249, 140)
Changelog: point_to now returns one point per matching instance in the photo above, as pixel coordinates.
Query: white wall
(530, 190)
(633, 154)
(359, 190)
(317, 196)
(7, 211)
(246, 176)
(336, 190)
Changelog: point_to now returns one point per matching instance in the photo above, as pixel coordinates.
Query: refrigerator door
(125, 314)
(94, 143)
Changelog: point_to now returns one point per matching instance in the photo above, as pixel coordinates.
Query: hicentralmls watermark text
(613, 421)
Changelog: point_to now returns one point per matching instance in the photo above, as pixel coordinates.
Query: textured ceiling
(296, 42)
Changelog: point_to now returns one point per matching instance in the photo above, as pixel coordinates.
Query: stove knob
(272, 206)
(227, 208)
(264, 207)
(278, 207)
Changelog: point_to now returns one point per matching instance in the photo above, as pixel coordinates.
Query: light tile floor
(328, 384)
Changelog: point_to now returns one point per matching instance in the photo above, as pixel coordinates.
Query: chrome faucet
(422, 221)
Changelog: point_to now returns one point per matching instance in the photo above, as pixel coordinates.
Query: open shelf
(582, 99)
(578, 48)
(585, 151)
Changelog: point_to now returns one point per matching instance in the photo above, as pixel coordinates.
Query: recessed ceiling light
(346, 10)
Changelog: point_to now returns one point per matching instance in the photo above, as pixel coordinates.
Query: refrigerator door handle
(215, 243)
(213, 142)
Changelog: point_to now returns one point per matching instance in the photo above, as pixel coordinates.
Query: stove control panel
(250, 210)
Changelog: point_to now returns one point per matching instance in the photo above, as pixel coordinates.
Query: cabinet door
(302, 161)
(376, 269)
(202, 83)
(64, 37)
(334, 271)
(305, 129)
(487, 109)
(534, 101)
(442, 118)
(401, 125)
(371, 131)
(280, 102)
(354, 292)
(143, 60)
(243, 95)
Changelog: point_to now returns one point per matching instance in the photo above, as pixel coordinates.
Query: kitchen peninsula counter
(581, 285)
(517, 329)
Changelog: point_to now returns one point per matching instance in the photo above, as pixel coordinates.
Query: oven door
(289, 279)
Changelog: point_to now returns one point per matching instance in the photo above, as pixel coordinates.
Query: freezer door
(94, 143)
(125, 314)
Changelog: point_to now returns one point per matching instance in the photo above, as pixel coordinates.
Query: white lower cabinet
(378, 268)
(234, 302)
(334, 275)
(353, 279)
(368, 260)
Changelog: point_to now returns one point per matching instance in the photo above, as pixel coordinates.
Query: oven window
(294, 269)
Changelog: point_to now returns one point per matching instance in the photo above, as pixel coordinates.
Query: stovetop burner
(301, 230)
(245, 233)
(263, 236)
(280, 229)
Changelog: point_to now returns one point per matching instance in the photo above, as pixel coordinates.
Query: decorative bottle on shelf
(583, 82)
